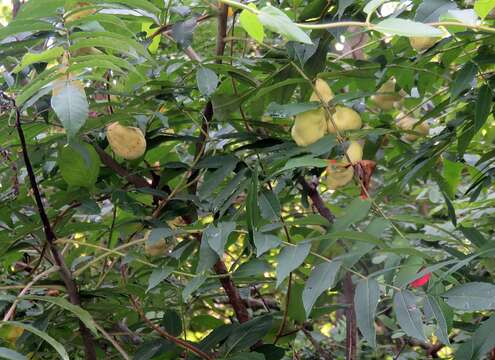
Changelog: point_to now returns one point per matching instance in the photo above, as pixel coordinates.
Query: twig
(112, 341)
(72, 291)
(10, 313)
(164, 334)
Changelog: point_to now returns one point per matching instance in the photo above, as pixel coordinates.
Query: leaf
(344, 4)
(287, 110)
(172, 322)
(217, 236)
(357, 211)
(252, 208)
(70, 104)
(157, 276)
(372, 5)
(366, 301)
(158, 234)
(248, 333)
(265, 242)
(408, 314)
(290, 258)
(11, 354)
(480, 343)
(247, 356)
(207, 81)
(269, 205)
(193, 285)
(404, 27)
(304, 161)
(431, 10)
(474, 296)
(147, 27)
(321, 279)
(278, 22)
(79, 165)
(483, 107)
(53, 343)
(182, 32)
(32, 58)
(452, 174)
(207, 256)
(252, 25)
(483, 7)
(76, 310)
(434, 312)
(463, 79)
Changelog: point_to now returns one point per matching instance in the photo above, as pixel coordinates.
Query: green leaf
(149, 30)
(269, 205)
(70, 104)
(157, 276)
(321, 279)
(408, 314)
(290, 258)
(247, 356)
(248, 333)
(304, 161)
(11, 354)
(278, 22)
(252, 25)
(207, 81)
(483, 107)
(32, 58)
(343, 4)
(287, 110)
(372, 5)
(366, 300)
(79, 164)
(265, 242)
(404, 27)
(452, 174)
(434, 312)
(463, 79)
(474, 296)
(59, 348)
(217, 236)
(357, 211)
(431, 10)
(483, 7)
(480, 343)
(193, 285)
(252, 208)
(207, 256)
(172, 322)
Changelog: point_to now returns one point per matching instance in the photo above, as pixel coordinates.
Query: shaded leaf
(265, 242)
(290, 258)
(248, 333)
(207, 81)
(409, 315)
(321, 279)
(474, 296)
(366, 300)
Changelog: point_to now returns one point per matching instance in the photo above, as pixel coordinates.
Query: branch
(135, 180)
(70, 285)
(164, 334)
(312, 191)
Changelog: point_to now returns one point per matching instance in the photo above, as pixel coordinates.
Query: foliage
(223, 240)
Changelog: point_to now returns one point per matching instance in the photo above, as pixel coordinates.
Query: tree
(233, 180)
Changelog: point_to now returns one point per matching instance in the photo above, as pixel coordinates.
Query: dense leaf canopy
(306, 179)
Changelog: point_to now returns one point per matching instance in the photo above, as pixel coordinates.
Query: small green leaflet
(404, 27)
(433, 311)
(79, 165)
(217, 236)
(32, 58)
(483, 7)
(193, 285)
(252, 25)
(321, 279)
(365, 302)
(265, 242)
(483, 107)
(70, 104)
(157, 276)
(480, 343)
(373, 5)
(59, 348)
(290, 258)
(11, 354)
(409, 315)
(304, 161)
(207, 81)
(278, 22)
(474, 296)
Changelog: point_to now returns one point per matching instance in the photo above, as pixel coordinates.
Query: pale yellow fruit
(156, 249)
(338, 175)
(344, 118)
(422, 43)
(408, 123)
(354, 152)
(126, 141)
(309, 127)
(324, 90)
(386, 97)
